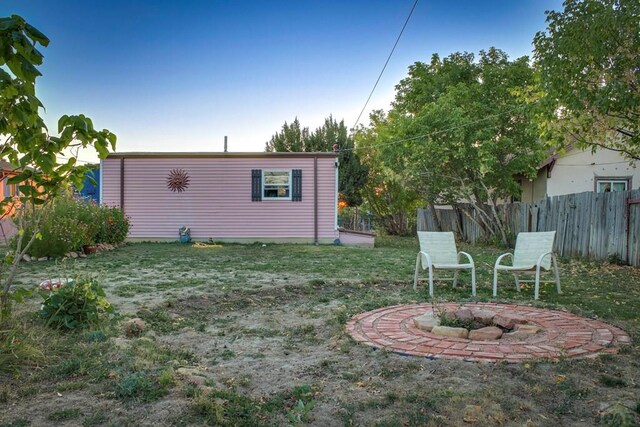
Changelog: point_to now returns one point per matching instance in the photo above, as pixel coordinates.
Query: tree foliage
(460, 132)
(330, 136)
(388, 194)
(590, 74)
(25, 140)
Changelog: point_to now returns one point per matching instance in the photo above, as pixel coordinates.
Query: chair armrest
(539, 262)
(509, 254)
(428, 258)
(468, 257)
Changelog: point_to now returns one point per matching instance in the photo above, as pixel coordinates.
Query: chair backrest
(441, 246)
(529, 247)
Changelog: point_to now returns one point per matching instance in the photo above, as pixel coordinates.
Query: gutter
(122, 183)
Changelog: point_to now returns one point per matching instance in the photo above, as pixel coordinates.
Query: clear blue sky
(179, 75)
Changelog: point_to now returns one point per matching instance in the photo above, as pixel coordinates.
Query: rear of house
(236, 197)
(578, 171)
(7, 227)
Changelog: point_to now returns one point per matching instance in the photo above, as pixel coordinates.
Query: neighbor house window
(276, 185)
(604, 185)
(11, 190)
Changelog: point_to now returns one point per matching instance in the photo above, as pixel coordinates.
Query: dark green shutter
(256, 185)
(296, 185)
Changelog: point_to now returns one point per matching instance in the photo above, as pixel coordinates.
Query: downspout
(122, 183)
(315, 200)
(101, 181)
(337, 189)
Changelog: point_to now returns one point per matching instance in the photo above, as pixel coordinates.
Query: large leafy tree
(387, 194)
(331, 136)
(27, 144)
(590, 74)
(462, 133)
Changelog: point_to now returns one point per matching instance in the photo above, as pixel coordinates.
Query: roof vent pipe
(225, 144)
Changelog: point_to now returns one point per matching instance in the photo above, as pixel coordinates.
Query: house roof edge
(139, 154)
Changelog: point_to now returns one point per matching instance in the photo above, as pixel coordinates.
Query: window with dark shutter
(296, 185)
(256, 185)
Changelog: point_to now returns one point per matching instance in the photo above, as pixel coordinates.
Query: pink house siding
(217, 203)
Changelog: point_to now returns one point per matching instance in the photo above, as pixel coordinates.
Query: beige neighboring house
(577, 171)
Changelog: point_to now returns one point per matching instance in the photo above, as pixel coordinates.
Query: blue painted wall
(90, 190)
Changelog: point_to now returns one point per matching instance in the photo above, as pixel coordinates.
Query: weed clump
(80, 304)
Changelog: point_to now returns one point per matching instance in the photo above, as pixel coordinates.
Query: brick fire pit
(559, 334)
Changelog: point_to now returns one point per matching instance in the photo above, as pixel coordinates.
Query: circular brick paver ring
(563, 334)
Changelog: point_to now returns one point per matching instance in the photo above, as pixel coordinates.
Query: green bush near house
(77, 305)
(71, 223)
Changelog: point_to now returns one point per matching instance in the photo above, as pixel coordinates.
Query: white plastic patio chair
(438, 251)
(534, 251)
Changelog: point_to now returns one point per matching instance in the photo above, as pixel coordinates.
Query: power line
(77, 160)
(385, 65)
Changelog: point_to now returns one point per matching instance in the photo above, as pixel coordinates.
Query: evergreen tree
(331, 136)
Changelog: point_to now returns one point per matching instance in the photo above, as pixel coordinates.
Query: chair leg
(455, 278)
(555, 269)
(431, 281)
(495, 282)
(473, 282)
(415, 276)
(515, 276)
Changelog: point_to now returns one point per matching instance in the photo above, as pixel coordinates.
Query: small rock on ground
(448, 331)
(508, 321)
(490, 333)
(426, 322)
(483, 316)
(527, 329)
(464, 313)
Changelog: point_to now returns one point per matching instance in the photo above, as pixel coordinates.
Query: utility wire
(385, 65)
(61, 157)
(426, 135)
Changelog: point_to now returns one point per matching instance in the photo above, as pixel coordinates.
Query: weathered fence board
(591, 225)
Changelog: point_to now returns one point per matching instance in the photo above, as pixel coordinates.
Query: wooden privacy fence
(591, 225)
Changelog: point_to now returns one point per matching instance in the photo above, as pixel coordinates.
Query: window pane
(619, 186)
(281, 178)
(276, 191)
(603, 186)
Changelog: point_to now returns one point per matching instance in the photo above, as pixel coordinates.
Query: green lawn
(262, 327)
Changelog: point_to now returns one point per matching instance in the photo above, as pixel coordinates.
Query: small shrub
(616, 260)
(618, 415)
(139, 386)
(113, 226)
(69, 224)
(454, 322)
(80, 304)
(612, 381)
(167, 378)
(60, 230)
